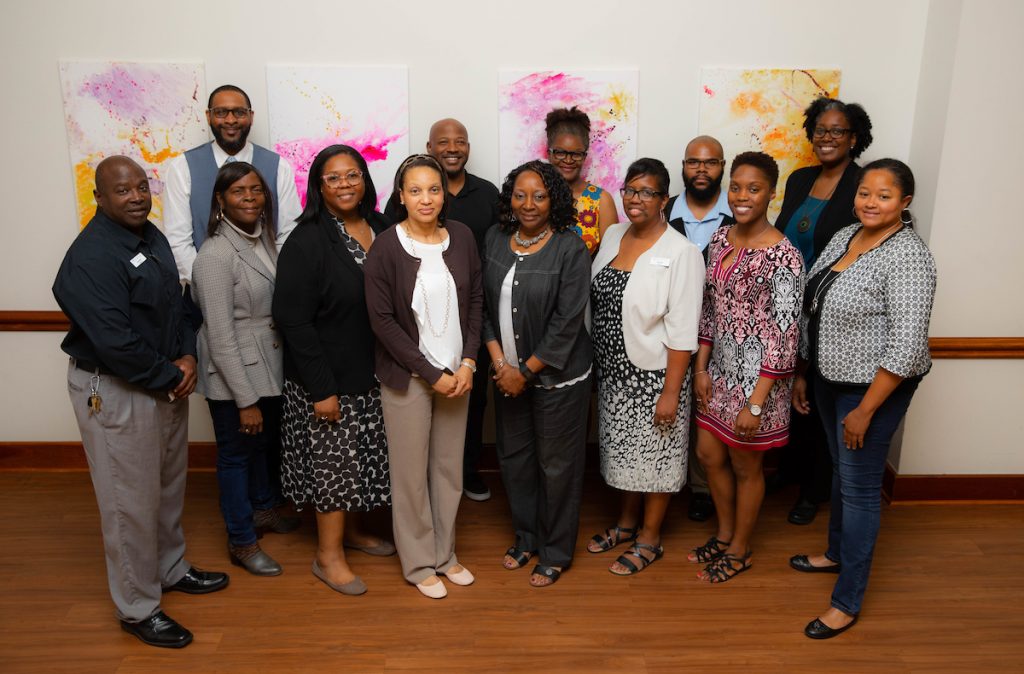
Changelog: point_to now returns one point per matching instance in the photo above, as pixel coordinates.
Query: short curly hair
(563, 210)
(568, 120)
(759, 160)
(856, 117)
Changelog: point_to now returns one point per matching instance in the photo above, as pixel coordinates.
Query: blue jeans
(856, 484)
(242, 466)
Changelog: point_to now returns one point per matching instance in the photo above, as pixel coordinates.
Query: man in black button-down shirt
(133, 366)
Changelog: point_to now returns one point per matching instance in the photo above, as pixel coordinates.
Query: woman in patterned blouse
(866, 314)
(748, 336)
(568, 132)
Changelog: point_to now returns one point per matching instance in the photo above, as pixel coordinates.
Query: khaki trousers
(137, 447)
(426, 432)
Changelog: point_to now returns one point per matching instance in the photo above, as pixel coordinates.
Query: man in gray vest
(190, 177)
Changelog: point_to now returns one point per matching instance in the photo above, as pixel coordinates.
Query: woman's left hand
(855, 425)
(746, 424)
(666, 408)
(463, 382)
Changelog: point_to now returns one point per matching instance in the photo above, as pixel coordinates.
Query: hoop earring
(220, 215)
(512, 218)
(910, 217)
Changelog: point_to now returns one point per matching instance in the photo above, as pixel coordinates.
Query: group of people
(345, 354)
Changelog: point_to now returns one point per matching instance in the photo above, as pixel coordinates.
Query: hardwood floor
(946, 595)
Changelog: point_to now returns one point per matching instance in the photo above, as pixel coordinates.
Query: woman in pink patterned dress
(744, 369)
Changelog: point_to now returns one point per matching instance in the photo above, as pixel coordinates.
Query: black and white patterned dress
(635, 454)
(339, 465)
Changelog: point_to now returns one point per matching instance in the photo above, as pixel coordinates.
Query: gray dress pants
(137, 447)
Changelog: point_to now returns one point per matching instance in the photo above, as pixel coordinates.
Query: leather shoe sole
(802, 563)
(819, 630)
(159, 630)
(196, 581)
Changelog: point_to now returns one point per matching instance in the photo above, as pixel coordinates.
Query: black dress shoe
(802, 563)
(159, 630)
(196, 581)
(803, 512)
(701, 507)
(819, 630)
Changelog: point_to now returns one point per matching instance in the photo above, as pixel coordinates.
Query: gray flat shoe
(354, 587)
(382, 549)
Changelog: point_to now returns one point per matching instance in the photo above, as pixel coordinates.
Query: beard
(231, 147)
(703, 194)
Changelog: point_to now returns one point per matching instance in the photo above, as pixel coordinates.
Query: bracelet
(497, 365)
(467, 363)
(529, 375)
(701, 372)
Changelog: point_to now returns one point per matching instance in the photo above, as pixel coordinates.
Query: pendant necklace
(803, 225)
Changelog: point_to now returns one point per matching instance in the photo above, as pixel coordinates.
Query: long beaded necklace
(438, 334)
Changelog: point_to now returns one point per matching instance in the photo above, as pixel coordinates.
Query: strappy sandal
(547, 572)
(612, 538)
(709, 552)
(725, 568)
(520, 557)
(634, 550)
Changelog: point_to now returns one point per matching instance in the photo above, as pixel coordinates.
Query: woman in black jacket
(818, 203)
(334, 447)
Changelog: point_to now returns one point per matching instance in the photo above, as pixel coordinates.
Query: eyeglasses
(835, 132)
(350, 178)
(566, 155)
(222, 113)
(644, 194)
(712, 164)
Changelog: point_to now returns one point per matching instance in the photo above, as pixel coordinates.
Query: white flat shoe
(463, 577)
(435, 591)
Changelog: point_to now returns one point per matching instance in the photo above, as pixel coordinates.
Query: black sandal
(709, 552)
(726, 567)
(634, 550)
(548, 572)
(520, 557)
(612, 538)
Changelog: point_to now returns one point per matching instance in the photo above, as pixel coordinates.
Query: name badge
(137, 260)
(660, 261)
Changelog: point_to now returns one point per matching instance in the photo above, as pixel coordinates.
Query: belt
(89, 366)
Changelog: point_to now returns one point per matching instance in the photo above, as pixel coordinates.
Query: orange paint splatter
(751, 102)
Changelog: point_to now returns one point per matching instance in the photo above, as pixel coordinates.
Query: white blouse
(435, 304)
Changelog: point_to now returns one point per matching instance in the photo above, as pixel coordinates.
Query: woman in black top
(818, 203)
(536, 286)
(334, 447)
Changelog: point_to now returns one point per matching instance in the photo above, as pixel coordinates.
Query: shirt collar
(122, 234)
(220, 156)
(681, 209)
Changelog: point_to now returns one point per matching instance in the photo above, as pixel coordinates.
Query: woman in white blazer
(645, 299)
(240, 359)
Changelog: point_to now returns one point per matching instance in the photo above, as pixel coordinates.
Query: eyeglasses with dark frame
(644, 194)
(711, 164)
(563, 155)
(222, 113)
(335, 179)
(836, 132)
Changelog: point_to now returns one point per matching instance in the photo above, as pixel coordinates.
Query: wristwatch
(755, 410)
(529, 375)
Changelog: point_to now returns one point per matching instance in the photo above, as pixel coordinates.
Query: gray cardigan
(876, 313)
(240, 356)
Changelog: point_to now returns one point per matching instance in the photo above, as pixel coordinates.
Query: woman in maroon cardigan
(424, 295)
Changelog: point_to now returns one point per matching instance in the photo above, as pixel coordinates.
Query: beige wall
(937, 77)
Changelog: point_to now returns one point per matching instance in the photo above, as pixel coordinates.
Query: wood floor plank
(946, 594)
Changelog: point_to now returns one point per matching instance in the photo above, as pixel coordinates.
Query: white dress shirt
(178, 211)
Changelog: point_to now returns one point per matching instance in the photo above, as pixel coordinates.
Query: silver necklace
(526, 243)
(438, 334)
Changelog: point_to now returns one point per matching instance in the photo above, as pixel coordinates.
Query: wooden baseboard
(907, 488)
(69, 456)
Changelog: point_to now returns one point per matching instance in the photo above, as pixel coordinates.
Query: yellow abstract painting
(762, 109)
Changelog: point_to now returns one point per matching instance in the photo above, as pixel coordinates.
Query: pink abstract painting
(312, 107)
(609, 97)
(151, 112)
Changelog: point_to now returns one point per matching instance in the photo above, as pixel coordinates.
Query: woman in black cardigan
(334, 447)
(817, 204)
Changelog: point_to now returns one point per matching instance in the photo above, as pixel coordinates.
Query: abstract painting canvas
(609, 97)
(312, 107)
(762, 109)
(151, 112)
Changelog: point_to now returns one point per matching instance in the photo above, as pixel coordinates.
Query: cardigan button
(276, 345)
(514, 310)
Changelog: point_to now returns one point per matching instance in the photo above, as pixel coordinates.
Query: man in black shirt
(472, 201)
(132, 368)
